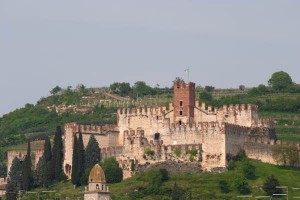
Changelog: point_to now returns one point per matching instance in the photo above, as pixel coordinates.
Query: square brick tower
(184, 102)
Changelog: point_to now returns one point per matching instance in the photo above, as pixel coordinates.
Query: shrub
(224, 187)
(231, 165)
(177, 151)
(270, 184)
(241, 184)
(148, 152)
(249, 170)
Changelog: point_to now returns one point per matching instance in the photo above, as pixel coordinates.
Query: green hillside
(149, 185)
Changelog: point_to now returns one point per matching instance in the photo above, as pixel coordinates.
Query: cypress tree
(14, 181)
(92, 152)
(47, 150)
(75, 175)
(48, 173)
(81, 160)
(27, 172)
(57, 154)
(38, 176)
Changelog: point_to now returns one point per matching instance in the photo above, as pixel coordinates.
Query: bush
(113, 173)
(148, 152)
(224, 187)
(270, 184)
(231, 165)
(249, 170)
(177, 151)
(241, 184)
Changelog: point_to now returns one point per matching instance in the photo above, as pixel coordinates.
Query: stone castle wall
(35, 157)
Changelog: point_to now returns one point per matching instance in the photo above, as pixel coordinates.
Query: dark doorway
(156, 136)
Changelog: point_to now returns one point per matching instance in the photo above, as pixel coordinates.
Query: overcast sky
(93, 42)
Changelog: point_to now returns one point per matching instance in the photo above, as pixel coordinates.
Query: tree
(123, 89)
(55, 90)
(280, 81)
(241, 87)
(224, 186)
(27, 172)
(270, 184)
(57, 155)
(81, 159)
(241, 185)
(48, 173)
(142, 89)
(206, 96)
(113, 172)
(14, 182)
(47, 150)
(38, 176)
(75, 175)
(92, 152)
(209, 88)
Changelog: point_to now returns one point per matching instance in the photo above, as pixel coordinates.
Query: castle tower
(97, 189)
(184, 102)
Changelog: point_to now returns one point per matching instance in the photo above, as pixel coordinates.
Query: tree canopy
(280, 81)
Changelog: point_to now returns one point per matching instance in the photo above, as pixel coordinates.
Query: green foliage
(148, 151)
(224, 186)
(47, 150)
(205, 96)
(260, 90)
(49, 173)
(270, 185)
(248, 170)
(113, 172)
(140, 88)
(85, 176)
(241, 185)
(122, 89)
(177, 151)
(231, 165)
(209, 88)
(92, 152)
(57, 155)
(14, 183)
(177, 193)
(280, 81)
(27, 179)
(192, 152)
(75, 175)
(38, 176)
(81, 159)
(55, 90)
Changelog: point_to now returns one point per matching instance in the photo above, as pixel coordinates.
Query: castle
(148, 135)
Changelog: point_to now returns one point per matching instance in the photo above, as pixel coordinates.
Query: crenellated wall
(107, 137)
(21, 154)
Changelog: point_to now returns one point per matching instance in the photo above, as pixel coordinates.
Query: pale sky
(93, 42)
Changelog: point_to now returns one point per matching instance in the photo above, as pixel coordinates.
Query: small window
(180, 112)
(180, 103)
(156, 136)
(180, 122)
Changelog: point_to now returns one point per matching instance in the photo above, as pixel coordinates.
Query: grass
(206, 185)
(287, 125)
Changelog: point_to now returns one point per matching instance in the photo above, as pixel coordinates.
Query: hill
(150, 185)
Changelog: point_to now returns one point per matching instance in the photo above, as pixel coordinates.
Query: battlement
(91, 128)
(232, 128)
(143, 111)
(226, 108)
(200, 126)
(182, 84)
(268, 123)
